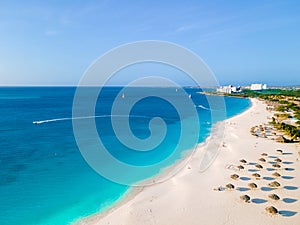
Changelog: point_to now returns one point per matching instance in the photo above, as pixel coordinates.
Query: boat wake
(203, 107)
(67, 118)
(84, 117)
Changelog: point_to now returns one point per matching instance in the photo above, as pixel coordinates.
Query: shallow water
(44, 178)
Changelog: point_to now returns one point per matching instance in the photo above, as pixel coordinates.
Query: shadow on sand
(287, 153)
(259, 200)
(290, 188)
(268, 178)
(267, 189)
(242, 189)
(287, 163)
(287, 177)
(289, 169)
(253, 170)
(245, 178)
(289, 200)
(287, 213)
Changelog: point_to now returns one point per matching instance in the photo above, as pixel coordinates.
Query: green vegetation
(271, 94)
(290, 130)
(285, 98)
(281, 116)
(286, 102)
(281, 108)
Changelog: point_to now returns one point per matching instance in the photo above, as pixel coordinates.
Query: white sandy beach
(189, 198)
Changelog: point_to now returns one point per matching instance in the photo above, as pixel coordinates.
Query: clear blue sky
(53, 42)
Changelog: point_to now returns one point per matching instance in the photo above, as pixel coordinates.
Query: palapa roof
(234, 176)
(245, 198)
(274, 184)
(272, 210)
(274, 197)
(252, 185)
(230, 186)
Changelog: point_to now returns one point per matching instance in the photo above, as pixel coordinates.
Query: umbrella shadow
(287, 163)
(266, 189)
(245, 178)
(253, 170)
(290, 188)
(242, 189)
(287, 213)
(289, 200)
(287, 177)
(259, 200)
(287, 153)
(289, 169)
(268, 178)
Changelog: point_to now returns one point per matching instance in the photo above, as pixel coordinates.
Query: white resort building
(229, 89)
(258, 87)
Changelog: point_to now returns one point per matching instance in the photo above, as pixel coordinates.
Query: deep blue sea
(43, 177)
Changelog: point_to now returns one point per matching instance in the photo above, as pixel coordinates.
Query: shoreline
(191, 191)
(178, 165)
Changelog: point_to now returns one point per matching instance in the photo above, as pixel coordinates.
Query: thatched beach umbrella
(240, 167)
(274, 184)
(272, 210)
(262, 160)
(252, 185)
(264, 154)
(234, 176)
(279, 151)
(276, 165)
(259, 166)
(256, 175)
(230, 186)
(245, 198)
(274, 197)
(243, 161)
(276, 174)
(278, 160)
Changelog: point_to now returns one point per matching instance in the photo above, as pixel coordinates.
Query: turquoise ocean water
(44, 178)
